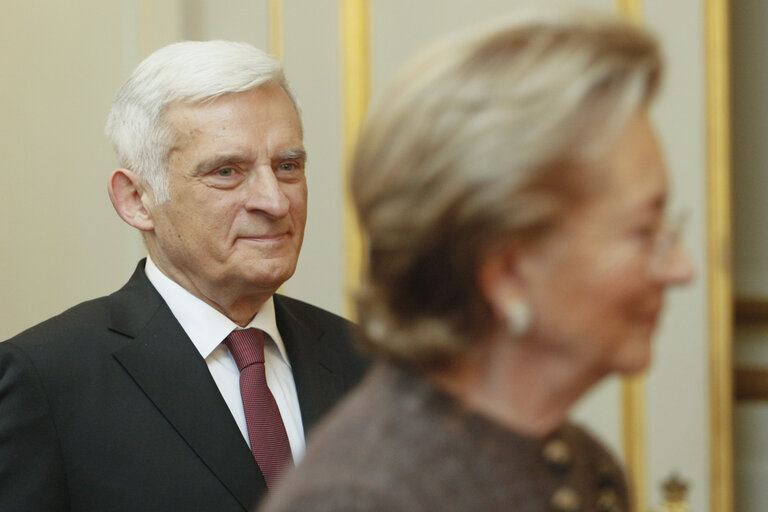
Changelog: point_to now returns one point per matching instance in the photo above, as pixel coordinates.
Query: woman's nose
(676, 267)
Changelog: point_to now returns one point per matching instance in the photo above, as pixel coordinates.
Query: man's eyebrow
(217, 161)
(292, 154)
(232, 158)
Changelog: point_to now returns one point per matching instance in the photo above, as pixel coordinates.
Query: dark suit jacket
(109, 407)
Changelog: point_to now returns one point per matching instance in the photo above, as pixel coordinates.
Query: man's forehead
(266, 92)
(233, 112)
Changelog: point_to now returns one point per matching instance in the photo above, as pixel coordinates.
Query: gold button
(557, 454)
(608, 501)
(607, 476)
(565, 499)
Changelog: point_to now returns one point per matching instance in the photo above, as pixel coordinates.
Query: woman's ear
(128, 194)
(499, 281)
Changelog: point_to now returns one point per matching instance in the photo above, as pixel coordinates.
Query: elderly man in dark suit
(146, 399)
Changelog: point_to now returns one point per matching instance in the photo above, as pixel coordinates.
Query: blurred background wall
(61, 242)
(749, 18)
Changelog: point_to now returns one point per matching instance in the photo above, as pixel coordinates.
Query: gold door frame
(355, 42)
(275, 9)
(719, 274)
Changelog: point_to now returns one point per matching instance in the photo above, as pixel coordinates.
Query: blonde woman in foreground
(513, 191)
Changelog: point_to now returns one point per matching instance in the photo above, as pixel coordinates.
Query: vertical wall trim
(275, 34)
(146, 16)
(632, 9)
(276, 28)
(633, 389)
(716, 34)
(633, 407)
(355, 43)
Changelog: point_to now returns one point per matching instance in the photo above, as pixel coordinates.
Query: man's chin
(270, 278)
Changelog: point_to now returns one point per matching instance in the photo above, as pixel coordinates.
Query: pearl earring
(518, 317)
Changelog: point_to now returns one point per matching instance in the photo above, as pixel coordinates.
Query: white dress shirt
(207, 328)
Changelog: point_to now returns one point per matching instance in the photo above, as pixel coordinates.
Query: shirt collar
(206, 326)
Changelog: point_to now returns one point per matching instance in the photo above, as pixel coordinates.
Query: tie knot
(246, 346)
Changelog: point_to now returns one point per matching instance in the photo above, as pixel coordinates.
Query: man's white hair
(186, 72)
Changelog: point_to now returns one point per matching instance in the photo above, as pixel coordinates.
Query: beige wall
(678, 384)
(311, 48)
(62, 243)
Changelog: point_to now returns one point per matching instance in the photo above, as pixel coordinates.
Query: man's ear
(128, 194)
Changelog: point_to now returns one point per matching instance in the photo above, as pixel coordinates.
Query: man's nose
(265, 194)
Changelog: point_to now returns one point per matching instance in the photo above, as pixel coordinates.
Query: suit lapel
(164, 363)
(319, 381)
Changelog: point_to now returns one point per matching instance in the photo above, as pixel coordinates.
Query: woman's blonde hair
(483, 138)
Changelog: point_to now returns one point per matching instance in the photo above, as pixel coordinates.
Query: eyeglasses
(667, 240)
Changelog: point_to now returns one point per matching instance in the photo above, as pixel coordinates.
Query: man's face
(233, 226)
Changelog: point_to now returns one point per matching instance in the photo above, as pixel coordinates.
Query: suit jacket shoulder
(108, 406)
(321, 349)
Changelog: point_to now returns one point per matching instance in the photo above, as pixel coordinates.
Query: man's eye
(225, 172)
(288, 166)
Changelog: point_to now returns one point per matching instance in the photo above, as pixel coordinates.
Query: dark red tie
(269, 442)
